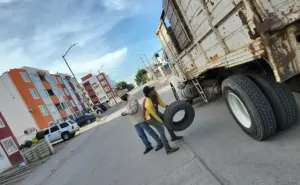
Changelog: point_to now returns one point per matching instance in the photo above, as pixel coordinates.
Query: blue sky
(36, 33)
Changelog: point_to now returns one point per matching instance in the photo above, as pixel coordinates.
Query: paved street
(214, 151)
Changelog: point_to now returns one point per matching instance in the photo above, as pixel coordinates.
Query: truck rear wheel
(249, 107)
(281, 99)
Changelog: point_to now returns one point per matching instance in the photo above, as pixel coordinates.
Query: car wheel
(88, 121)
(73, 134)
(173, 109)
(66, 136)
(281, 99)
(249, 107)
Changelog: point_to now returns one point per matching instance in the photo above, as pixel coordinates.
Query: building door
(4, 161)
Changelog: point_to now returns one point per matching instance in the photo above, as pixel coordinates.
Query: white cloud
(115, 4)
(109, 61)
(38, 33)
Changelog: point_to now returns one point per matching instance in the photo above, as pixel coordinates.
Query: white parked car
(72, 122)
(65, 131)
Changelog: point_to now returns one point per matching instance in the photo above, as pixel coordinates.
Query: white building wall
(79, 92)
(100, 93)
(60, 93)
(14, 110)
(68, 111)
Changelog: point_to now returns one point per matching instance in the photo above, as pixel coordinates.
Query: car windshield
(71, 121)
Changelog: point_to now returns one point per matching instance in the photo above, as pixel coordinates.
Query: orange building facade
(49, 98)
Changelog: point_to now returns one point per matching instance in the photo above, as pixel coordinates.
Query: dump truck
(246, 50)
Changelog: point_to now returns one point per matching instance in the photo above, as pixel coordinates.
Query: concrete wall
(15, 110)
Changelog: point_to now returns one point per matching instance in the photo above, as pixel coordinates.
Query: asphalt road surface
(214, 151)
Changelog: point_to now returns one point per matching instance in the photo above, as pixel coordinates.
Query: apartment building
(34, 98)
(98, 87)
(9, 147)
(107, 84)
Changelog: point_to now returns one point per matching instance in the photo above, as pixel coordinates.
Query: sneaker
(148, 150)
(172, 150)
(159, 147)
(177, 138)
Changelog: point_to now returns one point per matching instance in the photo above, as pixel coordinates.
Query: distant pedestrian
(134, 110)
(155, 118)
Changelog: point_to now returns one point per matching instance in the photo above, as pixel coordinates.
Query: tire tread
(260, 101)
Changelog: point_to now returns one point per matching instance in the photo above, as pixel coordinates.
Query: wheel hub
(239, 110)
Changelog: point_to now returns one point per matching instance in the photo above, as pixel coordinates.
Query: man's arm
(150, 108)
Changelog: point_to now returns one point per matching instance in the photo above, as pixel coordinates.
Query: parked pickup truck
(65, 131)
(248, 50)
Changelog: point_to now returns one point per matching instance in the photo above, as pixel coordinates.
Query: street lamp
(67, 62)
(75, 76)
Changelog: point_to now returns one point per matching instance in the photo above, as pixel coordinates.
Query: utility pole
(87, 102)
(148, 63)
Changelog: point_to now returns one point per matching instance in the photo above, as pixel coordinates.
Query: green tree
(121, 85)
(124, 85)
(130, 87)
(141, 77)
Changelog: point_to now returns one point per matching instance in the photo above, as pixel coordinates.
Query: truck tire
(66, 136)
(249, 107)
(174, 108)
(281, 99)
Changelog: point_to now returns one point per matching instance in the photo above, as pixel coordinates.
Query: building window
(52, 108)
(9, 145)
(1, 123)
(34, 94)
(103, 83)
(44, 110)
(93, 96)
(43, 93)
(106, 89)
(73, 103)
(86, 84)
(70, 104)
(25, 77)
(60, 80)
(50, 92)
(63, 105)
(104, 98)
(100, 77)
(110, 95)
(67, 92)
(42, 77)
(55, 79)
(58, 106)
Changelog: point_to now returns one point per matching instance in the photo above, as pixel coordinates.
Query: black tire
(66, 136)
(175, 107)
(176, 96)
(262, 119)
(88, 121)
(40, 135)
(73, 134)
(28, 143)
(190, 101)
(281, 99)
